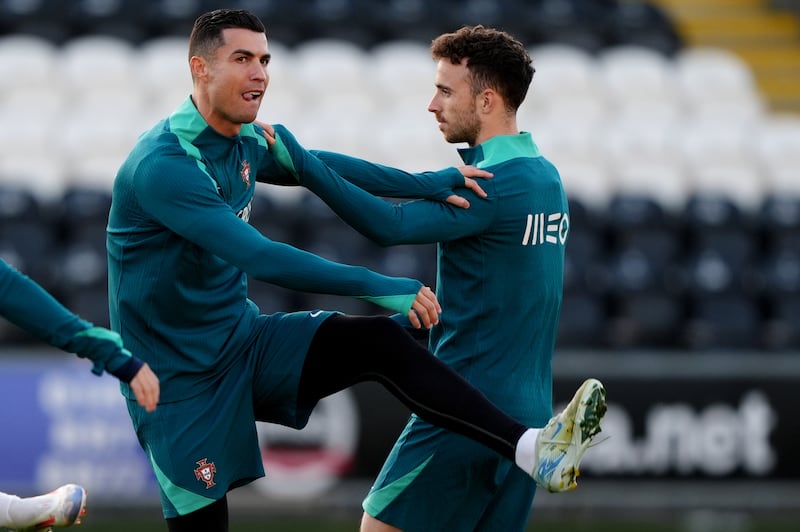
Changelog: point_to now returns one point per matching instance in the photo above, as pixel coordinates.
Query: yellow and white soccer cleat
(562, 443)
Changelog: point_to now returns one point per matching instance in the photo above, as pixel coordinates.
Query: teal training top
(180, 248)
(29, 306)
(500, 262)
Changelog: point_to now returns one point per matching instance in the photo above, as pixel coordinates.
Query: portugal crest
(205, 472)
(245, 173)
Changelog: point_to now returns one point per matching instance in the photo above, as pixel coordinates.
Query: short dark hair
(495, 59)
(206, 34)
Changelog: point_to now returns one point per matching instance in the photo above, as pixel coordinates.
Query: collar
(499, 149)
(188, 124)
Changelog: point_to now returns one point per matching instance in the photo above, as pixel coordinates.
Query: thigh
(203, 446)
(434, 479)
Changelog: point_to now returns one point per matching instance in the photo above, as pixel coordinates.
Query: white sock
(24, 512)
(525, 453)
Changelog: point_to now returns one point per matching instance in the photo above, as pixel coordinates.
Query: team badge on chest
(205, 472)
(245, 173)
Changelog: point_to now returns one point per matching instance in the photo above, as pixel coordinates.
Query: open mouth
(252, 96)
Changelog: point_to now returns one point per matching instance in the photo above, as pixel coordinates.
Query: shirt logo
(245, 173)
(244, 214)
(205, 472)
(542, 228)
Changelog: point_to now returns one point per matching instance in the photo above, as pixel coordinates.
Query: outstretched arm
(199, 215)
(443, 185)
(413, 222)
(29, 306)
(380, 180)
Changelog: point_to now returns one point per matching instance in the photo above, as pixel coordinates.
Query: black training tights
(351, 349)
(212, 517)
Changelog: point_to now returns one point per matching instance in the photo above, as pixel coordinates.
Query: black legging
(351, 349)
(212, 517)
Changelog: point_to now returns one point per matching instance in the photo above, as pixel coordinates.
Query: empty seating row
(590, 24)
(637, 276)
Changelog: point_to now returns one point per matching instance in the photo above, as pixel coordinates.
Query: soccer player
(500, 271)
(29, 306)
(179, 252)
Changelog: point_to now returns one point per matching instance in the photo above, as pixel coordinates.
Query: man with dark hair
(26, 304)
(500, 272)
(179, 252)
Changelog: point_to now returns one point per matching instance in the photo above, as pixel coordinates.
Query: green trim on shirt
(500, 149)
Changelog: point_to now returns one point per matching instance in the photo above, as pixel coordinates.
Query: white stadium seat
(627, 117)
(401, 74)
(634, 76)
(27, 61)
(95, 64)
(715, 82)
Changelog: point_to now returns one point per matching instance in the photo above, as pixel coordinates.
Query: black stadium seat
(642, 24)
(90, 17)
(82, 274)
(722, 245)
(26, 233)
(39, 18)
(579, 23)
(583, 322)
(780, 332)
(588, 24)
(26, 243)
(723, 321)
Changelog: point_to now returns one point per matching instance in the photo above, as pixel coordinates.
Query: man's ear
(198, 66)
(488, 100)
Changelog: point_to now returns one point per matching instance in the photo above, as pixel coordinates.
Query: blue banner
(60, 423)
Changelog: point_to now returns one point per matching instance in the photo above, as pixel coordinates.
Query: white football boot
(64, 507)
(562, 443)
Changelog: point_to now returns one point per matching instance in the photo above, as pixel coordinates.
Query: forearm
(29, 306)
(392, 182)
(299, 270)
(224, 235)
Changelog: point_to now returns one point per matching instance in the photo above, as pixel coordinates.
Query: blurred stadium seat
(39, 18)
(26, 232)
(26, 61)
(104, 17)
(777, 149)
(643, 24)
(563, 71)
(585, 255)
(583, 322)
(721, 247)
(731, 322)
(576, 23)
(644, 284)
(27, 242)
(82, 274)
(417, 20)
(715, 82)
(780, 331)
